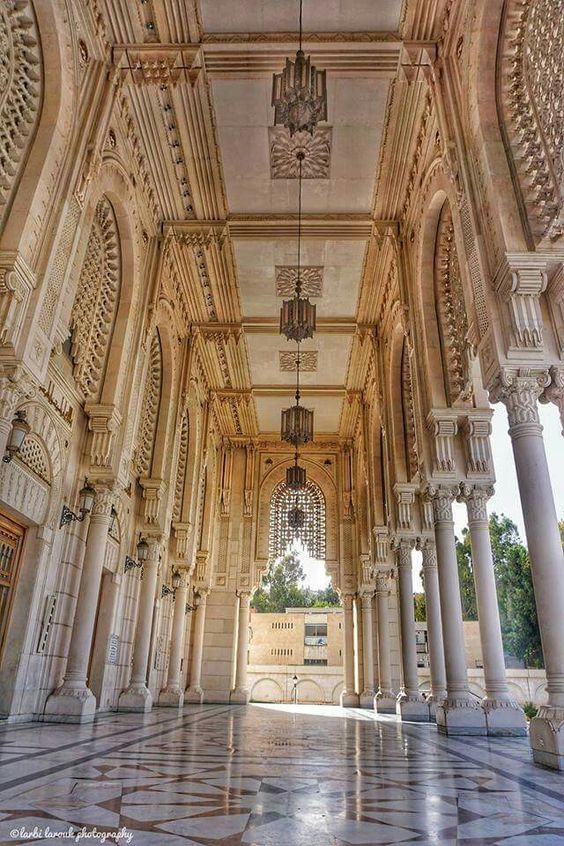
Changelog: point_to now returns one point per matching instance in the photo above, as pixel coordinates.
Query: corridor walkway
(280, 775)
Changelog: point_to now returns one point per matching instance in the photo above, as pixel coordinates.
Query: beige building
(153, 205)
(301, 636)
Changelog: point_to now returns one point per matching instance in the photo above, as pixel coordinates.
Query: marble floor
(271, 776)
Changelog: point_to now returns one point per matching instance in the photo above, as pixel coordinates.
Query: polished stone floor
(271, 776)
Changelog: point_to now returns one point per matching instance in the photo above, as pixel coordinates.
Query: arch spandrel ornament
(21, 85)
(149, 410)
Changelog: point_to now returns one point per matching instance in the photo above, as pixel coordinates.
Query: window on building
(315, 634)
(320, 662)
(312, 534)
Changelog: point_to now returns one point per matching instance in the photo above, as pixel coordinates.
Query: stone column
(137, 697)
(349, 696)
(503, 714)
(410, 703)
(73, 701)
(434, 627)
(194, 692)
(460, 712)
(367, 695)
(172, 695)
(240, 694)
(384, 701)
(520, 394)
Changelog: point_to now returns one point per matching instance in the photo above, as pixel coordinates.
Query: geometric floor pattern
(267, 775)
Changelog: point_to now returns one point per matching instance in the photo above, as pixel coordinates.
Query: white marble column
(367, 695)
(434, 627)
(503, 714)
(137, 697)
(520, 392)
(385, 700)
(410, 703)
(240, 694)
(460, 712)
(73, 701)
(172, 695)
(349, 696)
(194, 692)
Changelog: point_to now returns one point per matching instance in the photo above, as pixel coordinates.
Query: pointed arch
(94, 310)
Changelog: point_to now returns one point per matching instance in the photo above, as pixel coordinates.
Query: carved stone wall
(95, 304)
(21, 85)
(181, 466)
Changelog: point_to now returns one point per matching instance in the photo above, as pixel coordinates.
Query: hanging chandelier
(298, 315)
(299, 93)
(296, 517)
(297, 424)
(295, 475)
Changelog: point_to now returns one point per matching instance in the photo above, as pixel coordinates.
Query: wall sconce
(20, 428)
(85, 503)
(112, 520)
(166, 591)
(142, 550)
(176, 580)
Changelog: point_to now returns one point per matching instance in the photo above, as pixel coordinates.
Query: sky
(506, 498)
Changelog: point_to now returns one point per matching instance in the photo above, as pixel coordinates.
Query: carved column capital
(383, 583)
(104, 501)
(555, 391)
(476, 498)
(429, 551)
(366, 598)
(519, 390)
(15, 386)
(347, 599)
(244, 597)
(442, 497)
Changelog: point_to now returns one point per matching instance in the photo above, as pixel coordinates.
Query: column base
(433, 701)
(136, 698)
(412, 709)
(546, 732)
(366, 699)
(349, 700)
(504, 718)
(171, 697)
(461, 716)
(70, 705)
(385, 702)
(240, 696)
(194, 695)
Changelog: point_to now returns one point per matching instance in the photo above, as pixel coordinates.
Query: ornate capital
(429, 551)
(523, 281)
(403, 547)
(347, 600)
(15, 386)
(442, 497)
(383, 583)
(366, 597)
(476, 499)
(104, 501)
(519, 390)
(555, 391)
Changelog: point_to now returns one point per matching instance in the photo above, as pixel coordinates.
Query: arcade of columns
(123, 341)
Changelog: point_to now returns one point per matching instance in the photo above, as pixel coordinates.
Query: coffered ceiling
(229, 192)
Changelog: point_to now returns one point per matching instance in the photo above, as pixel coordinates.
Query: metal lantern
(86, 498)
(20, 428)
(297, 319)
(299, 95)
(296, 517)
(297, 425)
(295, 477)
(142, 550)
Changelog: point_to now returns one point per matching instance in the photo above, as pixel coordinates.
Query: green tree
(516, 598)
(283, 587)
(466, 577)
(420, 607)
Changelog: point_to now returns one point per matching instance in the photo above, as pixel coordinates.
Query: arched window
(311, 534)
(451, 309)
(95, 303)
(20, 93)
(150, 409)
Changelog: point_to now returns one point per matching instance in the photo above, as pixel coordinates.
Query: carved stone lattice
(33, 455)
(311, 280)
(451, 309)
(181, 469)
(20, 92)
(408, 414)
(532, 84)
(312, 534)
(150, 410)
(94, 307)
(283, 153)
(308, 361)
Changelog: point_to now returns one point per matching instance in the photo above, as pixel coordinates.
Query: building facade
(147, 238)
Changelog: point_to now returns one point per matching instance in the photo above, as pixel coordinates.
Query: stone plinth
(70, 705)
(547, 737)
(464, 717)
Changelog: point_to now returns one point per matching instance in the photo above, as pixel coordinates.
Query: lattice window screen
(312, 534)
